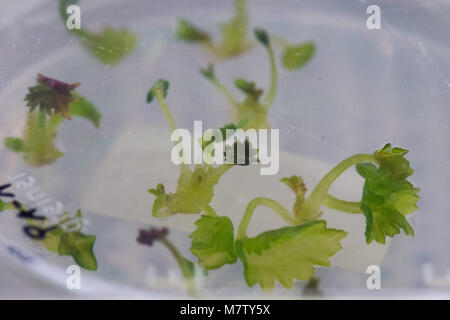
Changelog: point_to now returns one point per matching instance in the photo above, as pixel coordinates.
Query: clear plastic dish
(362, 89)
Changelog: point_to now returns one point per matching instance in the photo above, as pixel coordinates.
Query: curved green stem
(342, 205)
(280, 41)
(171, 122)
(182, 263)
(310, 210)
(268, 100)
(167, 113)
(261, 201)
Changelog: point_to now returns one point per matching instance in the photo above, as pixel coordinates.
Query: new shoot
(50, 102)
(187, 268)
(234, 34)
(195, 187)
(252, 111)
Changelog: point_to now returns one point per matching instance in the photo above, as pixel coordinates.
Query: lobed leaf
(187, 31)
(51, 95)
(75, 244)
(387, 195)
(194, 192)
(288, 253)
(213, 242)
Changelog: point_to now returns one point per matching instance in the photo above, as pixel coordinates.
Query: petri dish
(362, 89)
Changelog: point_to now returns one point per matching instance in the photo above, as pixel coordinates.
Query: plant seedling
(234, 34)
(295, 56)
(292, 252)
(235, 41)
(195, 187)
(57, 239)
(387, 197)
(252, 111)
(50, 102)
(148, 237)
(72, 243)
(110, 46)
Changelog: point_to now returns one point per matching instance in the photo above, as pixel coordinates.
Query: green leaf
(162, 201)
(208, 72)
(195, 191)
(234, 32)
(83, 108)
(295, 57)
(213, 242)
(288, 253)
(6, 206)
(15, 144)
(51, 95)
(75, 244)
(80, 247)
(160, 87)
(52, 239)
(109, 46)
(387, 195)
(262, 36)
(249, 88)
(392, 160)
(189, 32)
